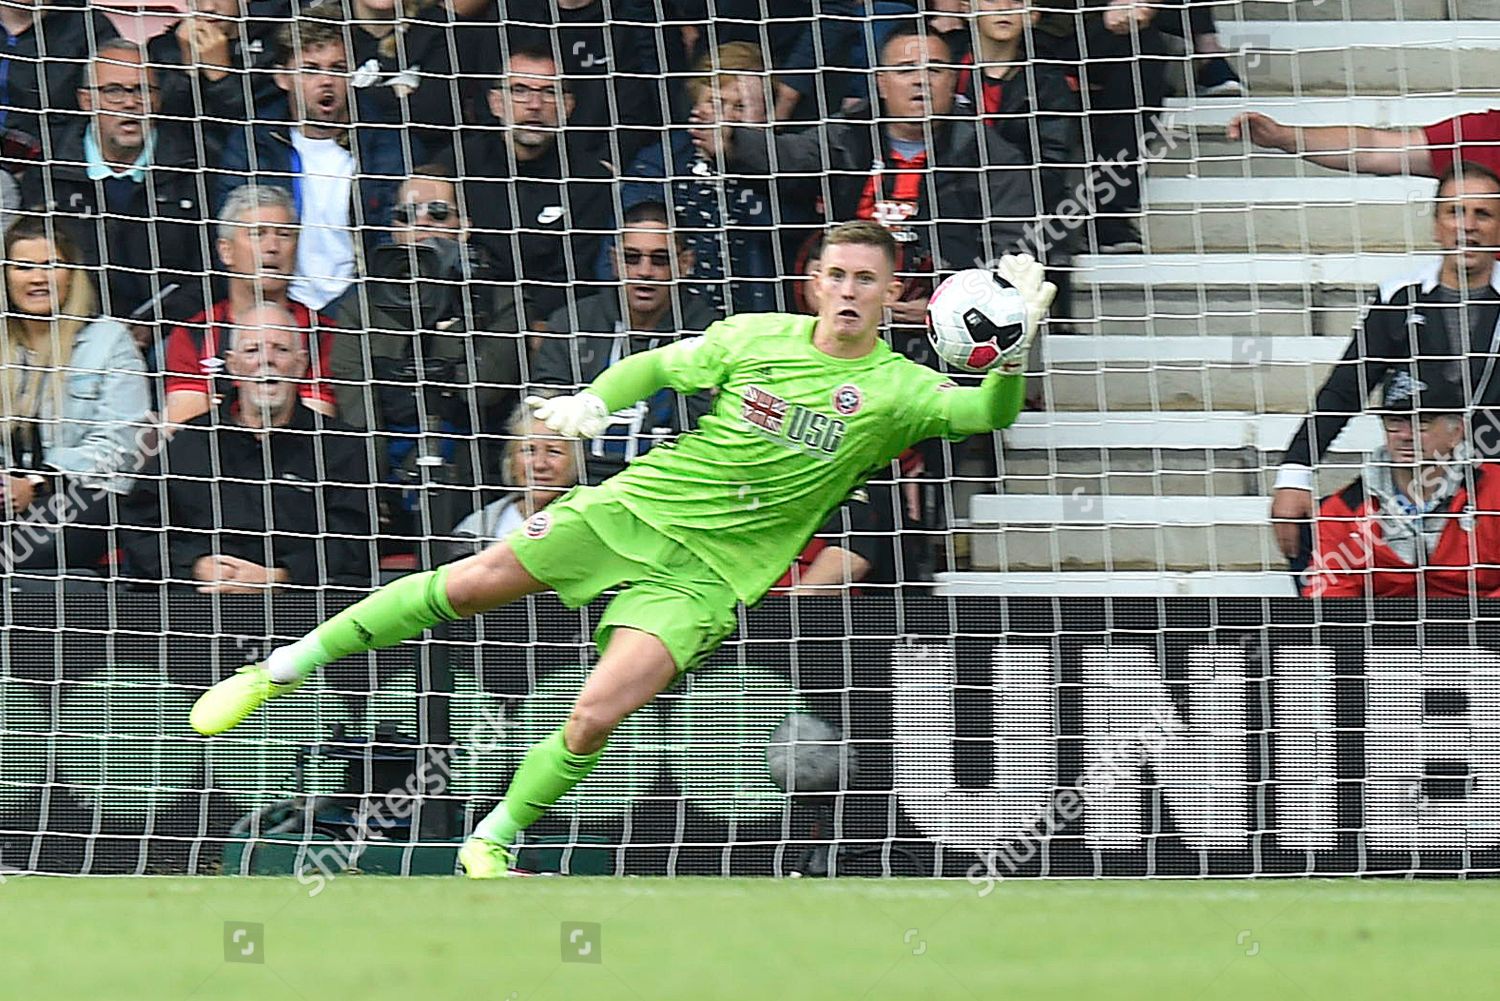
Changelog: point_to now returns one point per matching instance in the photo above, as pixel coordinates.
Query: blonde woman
(73, 397)
(539, 466)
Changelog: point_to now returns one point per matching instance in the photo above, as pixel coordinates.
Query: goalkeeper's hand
(1029, 278)
(582, 415)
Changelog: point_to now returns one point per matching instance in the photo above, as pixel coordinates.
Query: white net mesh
(278, 276)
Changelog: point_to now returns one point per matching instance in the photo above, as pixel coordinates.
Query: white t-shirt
(495, 520)
(325, 247)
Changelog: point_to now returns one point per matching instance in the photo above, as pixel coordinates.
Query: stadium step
(1230, 294)
(1205, 431)
(1211, 154)
(1336, 10)
(1137, 472)
(1266, 374)
(1363, 57)
(1224, 214)
(1410, 111)
(1165, 453)
(1475, 9)
(1116, 584)
(1086, 531)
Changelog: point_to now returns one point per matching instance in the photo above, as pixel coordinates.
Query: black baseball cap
(1429, 388)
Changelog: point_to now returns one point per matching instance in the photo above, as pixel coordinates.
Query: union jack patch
(763, 409)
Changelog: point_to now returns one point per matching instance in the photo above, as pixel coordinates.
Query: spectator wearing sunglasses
(539, 205)
(430, 355)
(130, 186)
(638, 314)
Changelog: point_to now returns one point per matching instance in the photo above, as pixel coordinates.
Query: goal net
(277, 283)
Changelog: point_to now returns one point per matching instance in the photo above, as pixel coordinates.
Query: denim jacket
(104, 409)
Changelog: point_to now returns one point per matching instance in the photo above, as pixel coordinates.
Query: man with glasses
(131, 184)
(430, 359)
(539, 205)
(426, 207)
(1449, 308)
(581, 342)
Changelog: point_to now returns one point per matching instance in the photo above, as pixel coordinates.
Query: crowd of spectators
(278, 277)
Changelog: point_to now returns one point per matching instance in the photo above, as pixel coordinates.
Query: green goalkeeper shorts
(586, 542)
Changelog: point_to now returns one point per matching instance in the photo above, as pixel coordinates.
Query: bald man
(261, 492)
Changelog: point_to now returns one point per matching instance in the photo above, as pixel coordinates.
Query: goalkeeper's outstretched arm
(631, 379)
(586, 414)
(993, 404)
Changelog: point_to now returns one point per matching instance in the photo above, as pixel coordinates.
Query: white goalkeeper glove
(582, 415)
(1029, 278)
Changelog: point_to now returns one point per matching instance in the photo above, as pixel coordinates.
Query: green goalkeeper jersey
(792, 432)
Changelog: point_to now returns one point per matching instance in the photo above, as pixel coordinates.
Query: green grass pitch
(666, 939)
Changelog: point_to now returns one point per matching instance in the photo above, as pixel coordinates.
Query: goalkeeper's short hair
(863, 233)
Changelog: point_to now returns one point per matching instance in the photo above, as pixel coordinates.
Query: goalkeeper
(806, 409)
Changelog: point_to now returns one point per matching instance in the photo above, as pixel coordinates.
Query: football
(973, 318)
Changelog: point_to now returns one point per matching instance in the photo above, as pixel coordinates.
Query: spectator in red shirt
(1426, 152)
(258, 247)
(1424, 517)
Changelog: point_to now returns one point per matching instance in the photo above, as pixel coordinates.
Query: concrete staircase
(1186, 368)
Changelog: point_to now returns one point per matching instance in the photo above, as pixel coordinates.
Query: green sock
(396, 612)
(547, 772)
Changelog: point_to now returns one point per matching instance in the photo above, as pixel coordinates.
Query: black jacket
(39, 89)
(626, 72)
(464, 376)
(420, 60)
(143, 236)
(1038, 97)
(208, 493)
(576, 360)
(1403, 321)
(482, 369)
(964, 216)
(561, 215)
(216, 107)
